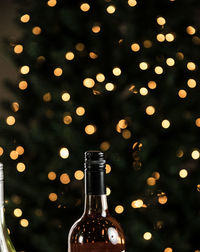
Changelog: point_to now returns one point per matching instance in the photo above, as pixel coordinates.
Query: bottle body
(5, 242)
(96, 230)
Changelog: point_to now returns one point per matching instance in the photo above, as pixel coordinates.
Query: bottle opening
(94, 160)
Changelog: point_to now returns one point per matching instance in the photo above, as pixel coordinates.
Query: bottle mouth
(94, 160)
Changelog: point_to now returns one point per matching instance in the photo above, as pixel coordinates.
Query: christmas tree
(119, 76)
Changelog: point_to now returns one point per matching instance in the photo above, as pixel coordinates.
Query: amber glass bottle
(96, 230)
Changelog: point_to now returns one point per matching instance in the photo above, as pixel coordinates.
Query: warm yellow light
(90, 129)
(15, 106)
(96, 28)
(152, 84)
(52, 3)
(191, 66)
(85, 7)
(168, 250)
(195, 154)
(161, 20)
(100, 77)
(180, 56)
(24, 222)
(80, 111)
(108, 168)
(197, 122)
(1, 151)
(47, 97)
(137, 203)
(126, 134)
(10, 120)
(111, 9)
(182, 93)
(80, 47)
(108, 191)
(66, 97)
(170, 61)
(21, 167)
(160, 37)
(143, 91)
(147, 236)
(24, 69)
(132, 3)
(156, 175)
(191, 83)
(23, 85)
(41, 59)
(183, 173)
(36, 30)
(198, 187)
(88, 82)
(162, 199)
(158, 70)
(93, 55)
(64, 152)
(17, 212)
(104, 146)
(135, 47)
(150, 110)
(79, 175)
(147, 44)
(64, 179)
(119, 209)
(151, 181)
(67, 119)
(190, 30)
(53, 196)
(165, 124)
(123, 124)
(13, 155)
(25, 18)
(109, 86)
(58, 71)
(143, 65)
(69, 55)
(169, 37)
(51, 175)
(179, 153)
(116, 71)
(18, 49)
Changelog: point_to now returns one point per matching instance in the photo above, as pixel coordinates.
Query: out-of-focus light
(25, 18)
(58, 71)
(15, 106)
(190, 30)
(23, 85)
(90, 129)
(151, 181)
(152, 84)
(137, 203)
(64, 179)
(191, 66)
(65, 97)
(109, 86)
(170, 61)
(180, 56)
(168, 250)
(182, 93)
(147, 44)
(132, 3)
(24, 222)
(165, 124)
(150, 110)
(104, 146)
(197, 122)
(17, 212)
(80, 111)
(143, 65)
(160, 37)
(111, 9)
(123, 124)
(116, 71)
(64, 153)
(96, 28)
(13, 155)
(135, 47)
(191, 83)
(10, 120)
(80, 47)
(36, 30)
(79, 175)
(67, 119)
(158, 70)
(1, 151)
(69, 56)
(89, 82)
(100, 77)
(47, 97)
(119, 209)
(143, 91)
(53, 196)
(52, 3)
(183, 173)
(21, 167)
(51, 175)
(161, 20)
(156, 175)
(108, 191)
(85, 7)
(162, 198)
(147, 236)
(24, 69)
(195, 154)
(93, 55)
(108, 168)
(18, 49)
(169, 37)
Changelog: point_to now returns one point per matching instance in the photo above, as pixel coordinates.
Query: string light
(65, 179)
(195, 154)
(36, 30)
(108, 168)
(197, 122)
(80, 47)
(143, 91)
(137, 203)
(25, 18)
(1, 151)
(165, 124)
(123, 124)
(93, 55)
(198, 187)
(89, 82)
(79, 175)
(47, 97)
(147, 44)
(156, 175)
(126, 134)
(160, 37)
(10, 120)
(24, 69)
(15, 106)
(135, 47)
(180, 153)
(169, 37)
(190, 30)
(53, 196)
(162, 198)
(17, 212)
(158, 70)
(191, 66)
(85, 7)
(100, 77)
(147, 236)
(111, 9)
(104, 146)
(119, 209)
(168, 250)
(116, 71)
(67, 119)
(21, 167)
(23, 85)
(109, 86)
(182, 93)
(152, 84)
(183, 173)
(132, 3)
(191, 83)
(13, 155)
(143, 65)
(108, 191)
(58, 71)
(170, 61)
(90, 129)
(65, 97)
(161, 21)
(52, 3)
(64, 152)
(96, 28)
(150, 110)
(80, 111)
(24, 222)
(51, 175)
(69, 56)
(151, 181)
(18, 49)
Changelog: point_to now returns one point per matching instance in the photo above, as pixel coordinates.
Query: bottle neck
(96, 205)
(1, 195)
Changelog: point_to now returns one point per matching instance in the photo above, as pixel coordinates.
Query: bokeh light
(24, 222)
(147, 236)
(183, 173)
(65, 97)
(65, 179)
(150, 110)
(53, 196)
(36, 30)
(25, 18)
(152, 84)
(135, 47)
(119, 209)
(195, 154)
(69, 56)
(88, 82)
(108, 168)
(165, 124)
(17, 212)
(191, 83)
(23, 85)
(21, 167)
(109, 86)
(158, 70)
(10, 120)
(24, 69)
(137, 203)
(111, 9)
(90, 129)
(132, 3)
(51, 175)
(80, 111)
(79, 175)
(85, 7)
(18, 49)
(190, 30)
(116, 71)
(58, 71)
(64, 152)
(161, 20)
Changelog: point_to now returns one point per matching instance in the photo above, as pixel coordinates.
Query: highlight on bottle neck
(1, 172)
(95, 173)
(1, 186)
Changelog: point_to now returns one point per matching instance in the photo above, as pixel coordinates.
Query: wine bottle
(5, 242)
(96, 230)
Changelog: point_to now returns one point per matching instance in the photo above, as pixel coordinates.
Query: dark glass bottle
(96, 230)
